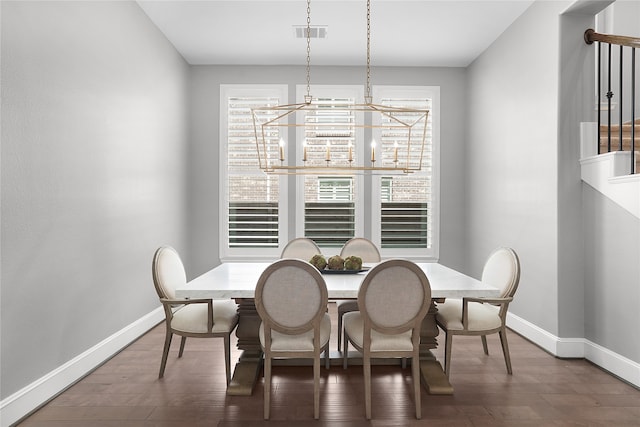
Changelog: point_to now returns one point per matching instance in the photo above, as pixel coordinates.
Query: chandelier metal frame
(408, 124)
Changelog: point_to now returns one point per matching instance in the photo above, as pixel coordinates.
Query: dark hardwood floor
(543, 391)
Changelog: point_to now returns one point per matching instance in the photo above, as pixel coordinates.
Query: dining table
(237, 280)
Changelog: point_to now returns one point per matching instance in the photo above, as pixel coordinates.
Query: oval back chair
(368, 251)
(198, 318)
(483, 316)
(291, 300)
(393, 299)
(301, 248)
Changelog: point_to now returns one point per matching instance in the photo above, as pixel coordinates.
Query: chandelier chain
(369, 50)
(308, 97)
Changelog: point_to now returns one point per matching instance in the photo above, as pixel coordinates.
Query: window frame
(281, 91)
(357, 93)
(367, 224)
(416, 254)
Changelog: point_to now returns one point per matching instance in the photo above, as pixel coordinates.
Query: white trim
(609, 173)
(616, 364)
(29, 398)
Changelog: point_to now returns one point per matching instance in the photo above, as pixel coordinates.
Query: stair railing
(590, 36)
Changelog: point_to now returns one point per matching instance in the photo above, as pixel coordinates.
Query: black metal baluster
(633, 110)
(599, 94)
(620, 100)
(609, 96)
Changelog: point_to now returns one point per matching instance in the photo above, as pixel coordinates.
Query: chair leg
(366, 366)
(505, 350)
(339, 329)
(327, 360)
(165, 352)
(345, 351)
(404, 363)
(182, 342)
(484, 344)
(316, 386)
(227, 357)
(447, 353)
(415, 367)
(267, 386)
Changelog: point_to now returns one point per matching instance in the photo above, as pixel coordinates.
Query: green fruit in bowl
(335, 262)
(353, 263)
(318, 262)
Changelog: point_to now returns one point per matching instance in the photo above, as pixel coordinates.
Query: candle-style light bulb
(281, 150)
(373, 150)
(328, 157)
(304, 151)
(350, 152)
(395, 152)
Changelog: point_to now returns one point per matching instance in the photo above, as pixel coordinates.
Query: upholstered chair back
(168, 272)
(502, 270)
(364, 248)
(301, 248)
(394, 296)
(291, 296)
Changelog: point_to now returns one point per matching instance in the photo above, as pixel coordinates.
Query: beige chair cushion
(284, 342)
(192, 318)
(481, 316)
(354, 326)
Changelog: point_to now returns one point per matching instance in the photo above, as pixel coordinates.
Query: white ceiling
(403, 32)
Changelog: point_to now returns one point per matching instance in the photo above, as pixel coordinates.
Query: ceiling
(403, 32)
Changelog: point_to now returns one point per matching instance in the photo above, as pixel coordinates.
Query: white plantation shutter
(403, 209)
(330, 208)
(252, 214)
(407, 211)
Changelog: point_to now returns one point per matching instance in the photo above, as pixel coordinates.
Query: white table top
(238, 280)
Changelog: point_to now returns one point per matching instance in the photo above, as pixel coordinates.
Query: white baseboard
(24, 401)
(618, 365)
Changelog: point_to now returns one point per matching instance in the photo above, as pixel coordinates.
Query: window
(251, 216)
(330, 210)
(399, 213)
(405, 213)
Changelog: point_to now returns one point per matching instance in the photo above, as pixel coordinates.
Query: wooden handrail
(591, 36)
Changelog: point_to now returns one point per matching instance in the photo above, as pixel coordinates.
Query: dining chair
(483, 316)
(291, 299)
(302, 248)
(368, 251)
(197, 318)
(393, 299)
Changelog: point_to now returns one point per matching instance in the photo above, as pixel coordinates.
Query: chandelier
(330, 132)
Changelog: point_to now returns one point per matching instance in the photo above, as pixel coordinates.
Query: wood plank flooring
(543, 391)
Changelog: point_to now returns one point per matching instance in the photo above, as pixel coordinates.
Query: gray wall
(511, 163)
(612, 275)
(204, 152)
(580, 252)
(609, 236)
(94, 137)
